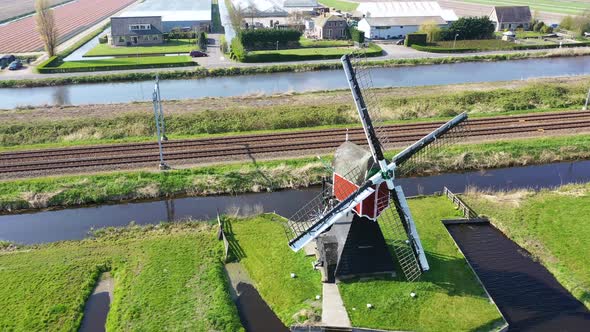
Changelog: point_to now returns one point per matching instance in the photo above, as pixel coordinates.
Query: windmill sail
(370, 192)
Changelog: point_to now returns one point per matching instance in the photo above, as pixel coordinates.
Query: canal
(75, 223)
(105, 93)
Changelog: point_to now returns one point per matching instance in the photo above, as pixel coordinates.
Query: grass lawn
(343, 5)
(311, 43)
(74, 190)
(59, 66)
(484, 44)
(449, 297)
(171, 46)
(307, 53)
(552, 224)
(552, 6)
(261, 247)
(167, 277)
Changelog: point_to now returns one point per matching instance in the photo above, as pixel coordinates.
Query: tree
(538, 26)
(432, 31)
(46, 26)
(236, 16)
(202, 41)
(470, 28)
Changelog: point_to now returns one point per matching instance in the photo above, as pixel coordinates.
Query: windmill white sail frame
(308, 224)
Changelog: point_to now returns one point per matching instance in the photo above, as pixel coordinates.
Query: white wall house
(405, 9)
(395, 27)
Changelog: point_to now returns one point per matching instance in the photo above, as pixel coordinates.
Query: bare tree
(236, 16)
(46, 26)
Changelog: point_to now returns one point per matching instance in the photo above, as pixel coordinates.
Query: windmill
(363, 213)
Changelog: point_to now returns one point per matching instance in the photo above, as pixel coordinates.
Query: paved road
(217, 60)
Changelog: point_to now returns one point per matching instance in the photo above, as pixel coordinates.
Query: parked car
(197, 54)
(400, 42)
(586, 34)
(6, 60)
(15, 65)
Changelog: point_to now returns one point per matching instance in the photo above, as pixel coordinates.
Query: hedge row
(56, 69)
(254, 39)
(436, 49)
(372, 51)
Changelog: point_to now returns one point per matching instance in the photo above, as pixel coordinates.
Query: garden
(272, 45)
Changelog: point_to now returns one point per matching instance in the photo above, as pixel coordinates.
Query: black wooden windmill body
(363, 213)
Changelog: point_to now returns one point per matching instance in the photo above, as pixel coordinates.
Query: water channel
(75, 223)
(104, 93)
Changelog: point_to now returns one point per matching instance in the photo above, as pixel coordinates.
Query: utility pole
(455, 42)
(159, 118)
(157, 89)
(587, 99)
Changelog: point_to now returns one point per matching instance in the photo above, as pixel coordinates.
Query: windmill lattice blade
(323, 210)
(397, 239)
(426, 158)
(365, 82)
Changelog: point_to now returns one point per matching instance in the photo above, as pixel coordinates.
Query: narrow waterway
(105, 93)
(75, 223)
(528, 295)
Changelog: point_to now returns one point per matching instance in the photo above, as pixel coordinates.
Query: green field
(308, 53)
(170, 46)
(551, 6)
(449, 297)
(343, 5)
(167, 277)
(59, 66)
(261, 247)
(319, 110)
(551, 224)
(311, 43)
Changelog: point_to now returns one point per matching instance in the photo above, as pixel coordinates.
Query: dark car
(197, 54)
(15, 65)
(400, 42)
(5, 60)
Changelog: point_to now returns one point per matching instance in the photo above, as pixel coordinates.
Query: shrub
(260, 39)
(237, 51)
(356, 35)
(223, 44)
(438, 49)
(546, 29)
(202, 41)
(538, 26)
(470, 28)
(103, 39)
(371, 51)
(415, 39)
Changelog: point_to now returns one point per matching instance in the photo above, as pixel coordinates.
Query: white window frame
(138, 27)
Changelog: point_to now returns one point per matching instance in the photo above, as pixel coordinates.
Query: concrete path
(333, 311)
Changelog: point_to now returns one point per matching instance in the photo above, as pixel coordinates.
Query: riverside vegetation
(77, 190)
(322, 110)
(552, 224)
(195, 73)
(168, 276)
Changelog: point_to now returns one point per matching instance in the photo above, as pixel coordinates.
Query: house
(395, 27)
(330, 27)
(130, 31)
(398, 9)
(186, 15)
(511, 17)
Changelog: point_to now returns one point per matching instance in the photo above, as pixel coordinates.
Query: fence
(467, 211)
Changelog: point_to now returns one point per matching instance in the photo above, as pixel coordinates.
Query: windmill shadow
(269, 182)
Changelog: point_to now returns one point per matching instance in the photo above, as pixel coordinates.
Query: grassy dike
(552, 225)
(449, 296)
(167, 277)
(250, 70)
(266, 175)
(54, 127)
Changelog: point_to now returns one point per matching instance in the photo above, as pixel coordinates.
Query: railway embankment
(256, 176)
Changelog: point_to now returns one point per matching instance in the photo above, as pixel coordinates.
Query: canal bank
(76, 223)
(267, 84)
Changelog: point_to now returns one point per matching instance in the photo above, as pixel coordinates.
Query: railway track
(245, 146)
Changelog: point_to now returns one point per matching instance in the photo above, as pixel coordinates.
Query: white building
(174, 13)
(385, 20)
(395, 27)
